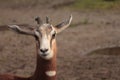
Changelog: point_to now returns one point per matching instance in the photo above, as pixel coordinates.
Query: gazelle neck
(45, 69)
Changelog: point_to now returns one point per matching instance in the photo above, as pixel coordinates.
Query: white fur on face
(45, 42)
(50, 73)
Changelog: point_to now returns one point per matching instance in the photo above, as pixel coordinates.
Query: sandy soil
(89, 50)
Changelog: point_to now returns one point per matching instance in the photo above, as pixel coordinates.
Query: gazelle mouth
(44, 54)
(47, 55)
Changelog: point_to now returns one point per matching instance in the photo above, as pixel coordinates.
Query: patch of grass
(96, 4)
(75, 24)
(82, 22)
(85, 21)
(22, 3)
(106, 51)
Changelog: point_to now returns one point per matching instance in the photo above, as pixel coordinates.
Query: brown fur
(45, 65)
(41, 67)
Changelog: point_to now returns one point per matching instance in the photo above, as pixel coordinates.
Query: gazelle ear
(63, 25)
(17, 29)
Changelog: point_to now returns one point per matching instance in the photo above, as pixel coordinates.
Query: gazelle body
(45, 38)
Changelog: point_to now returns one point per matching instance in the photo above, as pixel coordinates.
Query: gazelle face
(46, 36)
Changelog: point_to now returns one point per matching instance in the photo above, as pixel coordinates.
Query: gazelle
(45, 38)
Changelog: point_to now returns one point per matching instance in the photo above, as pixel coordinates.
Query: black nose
(43, 50)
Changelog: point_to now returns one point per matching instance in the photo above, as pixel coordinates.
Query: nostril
(46, 50)
(43, 50)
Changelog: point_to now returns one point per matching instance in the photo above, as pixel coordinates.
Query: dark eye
(53, 36)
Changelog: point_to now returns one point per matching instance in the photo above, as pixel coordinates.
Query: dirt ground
(88, 50)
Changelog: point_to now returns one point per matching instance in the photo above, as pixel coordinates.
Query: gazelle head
(45, 34)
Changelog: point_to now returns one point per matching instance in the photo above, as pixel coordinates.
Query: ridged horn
(38, 20)
(47, 19)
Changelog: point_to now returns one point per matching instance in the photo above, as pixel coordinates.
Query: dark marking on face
(45, 29)
(52, 37)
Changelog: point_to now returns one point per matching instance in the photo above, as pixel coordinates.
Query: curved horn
(38, 20)
(47, 19)
(63, 25)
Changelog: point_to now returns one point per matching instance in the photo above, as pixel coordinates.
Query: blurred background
(88, 50)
